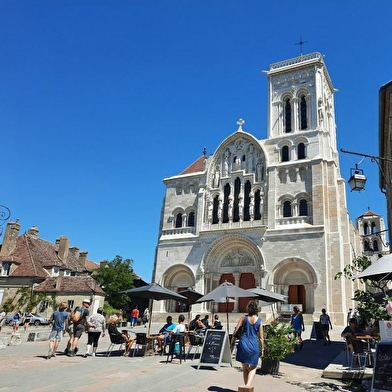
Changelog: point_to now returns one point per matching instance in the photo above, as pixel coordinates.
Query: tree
(117, 275)
(369, 310)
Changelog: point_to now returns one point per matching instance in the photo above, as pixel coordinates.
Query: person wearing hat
(80, 319)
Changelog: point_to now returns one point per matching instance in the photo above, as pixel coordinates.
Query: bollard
(245, 389)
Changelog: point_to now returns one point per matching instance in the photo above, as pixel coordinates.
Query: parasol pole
(150, 319)
(227, 313)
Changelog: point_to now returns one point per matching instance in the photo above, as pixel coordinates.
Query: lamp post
(5, 214)
(358, 179)
(385, 172)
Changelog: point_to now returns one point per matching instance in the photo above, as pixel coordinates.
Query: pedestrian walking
(59, 318)
(80, 319)
(297, 322)
(96, 326)
(251, 345)
(325, 324)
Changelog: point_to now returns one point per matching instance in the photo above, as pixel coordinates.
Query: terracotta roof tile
(71, 284)
(197, 166)
(36, 256)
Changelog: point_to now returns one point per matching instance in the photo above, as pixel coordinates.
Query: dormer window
(55, 271)
(5, 269)
(67, 273)
(78, 274)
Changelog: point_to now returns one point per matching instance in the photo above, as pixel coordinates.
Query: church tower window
(303, 208)
(226, 194)
(303, 117)
(287, 116)
(301, 151)
(191, 219)
(215, 210)
(248, 188)
(257, 205)
(366, 245)
(287, 211)
(179, 220)
(285, 154)
(375, 245)
(237, 189)
(366, 229)
(374, 228)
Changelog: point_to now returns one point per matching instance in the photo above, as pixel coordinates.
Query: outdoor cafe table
(371, 341)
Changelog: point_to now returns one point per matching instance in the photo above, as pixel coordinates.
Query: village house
(59, 271)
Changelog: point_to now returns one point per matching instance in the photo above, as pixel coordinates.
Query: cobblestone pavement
(25, 368)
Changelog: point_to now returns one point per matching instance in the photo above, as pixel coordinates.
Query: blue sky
(100, 100)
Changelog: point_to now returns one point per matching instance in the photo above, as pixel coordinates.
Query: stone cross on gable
(240, 122)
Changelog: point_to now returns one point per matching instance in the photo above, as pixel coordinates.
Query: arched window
(365, 245)
(374, 228)
(215, 210)
(304, 123)
(179, 220)
(285, 154)
(247, 200)
(226, 194)
(303, 208)
(257, 205)
(366, 229)
(301, 151)
(375, 245)
(287, 212)
(237, 188)
(287, 116)
(191, 219)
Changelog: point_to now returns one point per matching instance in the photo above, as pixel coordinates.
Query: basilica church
(267, 213)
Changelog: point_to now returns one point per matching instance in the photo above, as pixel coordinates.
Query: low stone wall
(38, 336)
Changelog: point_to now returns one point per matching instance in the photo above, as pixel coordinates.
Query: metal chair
(180, 339)
(144, 341)
(114, 340)
(194, 341)
(358, 356)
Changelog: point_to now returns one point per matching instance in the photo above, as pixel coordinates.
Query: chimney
(102, 264)
(33, 231)
(63, 248)
(74, 250)
(10, 238)
(83, 257)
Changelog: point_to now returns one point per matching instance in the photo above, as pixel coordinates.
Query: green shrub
(279, 341)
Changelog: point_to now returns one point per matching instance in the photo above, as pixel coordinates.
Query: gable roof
(195, 167)
(35, 256)
(70, 284)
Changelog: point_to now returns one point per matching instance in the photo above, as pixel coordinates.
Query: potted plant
(279, 342)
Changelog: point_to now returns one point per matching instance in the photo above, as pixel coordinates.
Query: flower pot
(269, 366)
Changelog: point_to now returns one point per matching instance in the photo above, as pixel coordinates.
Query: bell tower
(300, 99)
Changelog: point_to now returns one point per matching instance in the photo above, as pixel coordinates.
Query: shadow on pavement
(219, 389)
(314, 354)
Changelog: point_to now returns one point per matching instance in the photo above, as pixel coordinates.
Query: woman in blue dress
(251, 345)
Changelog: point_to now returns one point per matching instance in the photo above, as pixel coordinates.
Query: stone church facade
(269, 213)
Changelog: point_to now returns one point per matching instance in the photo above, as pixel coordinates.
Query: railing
(294, 220)
(179, 230)
(296, 60)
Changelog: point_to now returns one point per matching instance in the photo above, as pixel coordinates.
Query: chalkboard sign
(382, 380)
(216, 348)
(317, 332)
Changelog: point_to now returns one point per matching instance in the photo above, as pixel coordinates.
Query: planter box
(269, 366)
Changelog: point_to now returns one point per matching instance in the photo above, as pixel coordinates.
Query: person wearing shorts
(79, 325)
(325, 324)
(59, 318)
(16, 319)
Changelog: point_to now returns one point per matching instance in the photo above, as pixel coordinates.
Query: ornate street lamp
(5, 214)
(357, 180)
